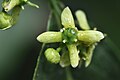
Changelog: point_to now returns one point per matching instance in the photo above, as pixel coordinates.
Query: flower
(10, 4)
(8, 20)
(80, 43)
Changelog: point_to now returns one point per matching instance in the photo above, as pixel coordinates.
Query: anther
(64, 41)
(95, 29)
(75, 40)
(61, 30)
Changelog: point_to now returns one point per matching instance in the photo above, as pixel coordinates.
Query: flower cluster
(8, 20)
(77, 45)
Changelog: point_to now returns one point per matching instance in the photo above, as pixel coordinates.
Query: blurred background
(19, 48)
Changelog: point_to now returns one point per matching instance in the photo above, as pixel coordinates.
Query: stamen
(75, 40)
(64, 41)
(61, 30)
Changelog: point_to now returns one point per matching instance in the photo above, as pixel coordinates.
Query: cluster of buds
(8, 20)
(77, 45)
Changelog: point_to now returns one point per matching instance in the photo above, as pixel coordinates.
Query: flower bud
(52, 55)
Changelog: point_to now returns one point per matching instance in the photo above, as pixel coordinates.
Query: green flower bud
(73, 53)
(65, 60)
(81, 17)
(52, 55)
(90, 36)
(50, 37)
(67, 18)
(5, 20)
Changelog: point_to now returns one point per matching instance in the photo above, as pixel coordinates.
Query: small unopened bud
(52, 55)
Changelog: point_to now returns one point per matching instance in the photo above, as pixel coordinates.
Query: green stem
(38, 61)
(56, 11)
(68, 74)
(58, 49)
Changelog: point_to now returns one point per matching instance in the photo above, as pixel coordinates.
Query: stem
(58, 49)
(68, 74)
(32, 4)
(56, 11)
(38, 61)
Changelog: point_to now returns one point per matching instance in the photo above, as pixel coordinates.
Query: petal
(73, 53)
(90, 36)
(89, 55)
(67, 18)
(5, 21)
(82, 20)
(65, 60)
(50, 37)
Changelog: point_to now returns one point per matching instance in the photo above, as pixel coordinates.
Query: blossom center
(69, 35)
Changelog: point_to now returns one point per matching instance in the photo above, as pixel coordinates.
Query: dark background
(19, 48)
